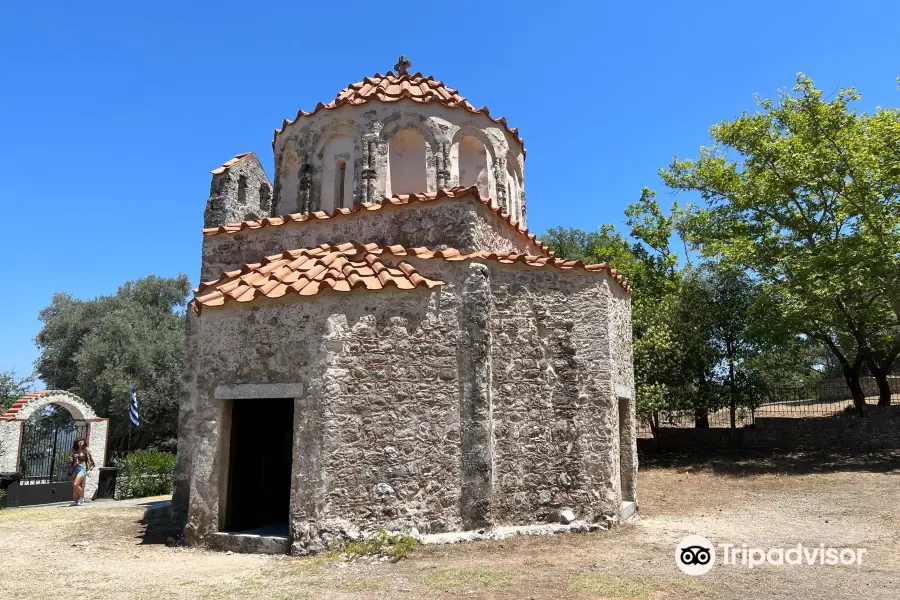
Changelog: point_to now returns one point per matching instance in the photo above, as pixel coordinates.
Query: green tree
(673, 359)
(704, 338)
(101, 348)
(805, 195)
(13, 387)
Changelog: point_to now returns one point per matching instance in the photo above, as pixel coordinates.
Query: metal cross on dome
(402, 65)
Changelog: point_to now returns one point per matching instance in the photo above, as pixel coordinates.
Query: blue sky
(113, 113)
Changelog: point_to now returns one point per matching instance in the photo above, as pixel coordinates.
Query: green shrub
(2, 499)
(382, 543)
(144, 473)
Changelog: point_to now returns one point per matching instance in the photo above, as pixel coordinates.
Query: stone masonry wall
(98, 431)
(489, 401)
(187, 426)
(462, 223)
(620, 337)
(390, 420)
(260, 343)
(620, 340)
(879, 429)
(547, 455)
(837, 389)
(10, 438)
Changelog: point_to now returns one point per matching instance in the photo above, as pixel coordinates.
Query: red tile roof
(396, 200)
(392, 88)
(350, 266)
(18, 404)
(227, 165)
(307, 272)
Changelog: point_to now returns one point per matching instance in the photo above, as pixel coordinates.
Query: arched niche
(407, 167)
(337, 159)
(514, 187)
(472, 160)
(472, 165)
(410, 165)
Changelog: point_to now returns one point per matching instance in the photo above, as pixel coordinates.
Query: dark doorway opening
(259, 474)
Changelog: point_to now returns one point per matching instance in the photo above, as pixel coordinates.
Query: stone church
(378, 340)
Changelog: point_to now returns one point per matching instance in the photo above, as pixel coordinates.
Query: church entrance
(259, 473)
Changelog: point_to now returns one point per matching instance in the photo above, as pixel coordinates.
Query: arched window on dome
(406, 167)
(337, 175)
(513, 188)
(473, 165)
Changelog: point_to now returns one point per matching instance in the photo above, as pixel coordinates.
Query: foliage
(144, 473)
(2, 499)
(383, 543)
(805, 195)
(13, 387)
(100, 348)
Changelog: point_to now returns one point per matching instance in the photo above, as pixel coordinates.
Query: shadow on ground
(740, 463)
(158, 527)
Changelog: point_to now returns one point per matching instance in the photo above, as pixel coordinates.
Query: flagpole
(131, 406)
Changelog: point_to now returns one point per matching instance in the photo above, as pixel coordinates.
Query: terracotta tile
(350, 266)
(11, 412)
(310, 289)
(393, 88)
(230, 163)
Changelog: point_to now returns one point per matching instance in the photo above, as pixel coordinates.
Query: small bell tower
(240, 191)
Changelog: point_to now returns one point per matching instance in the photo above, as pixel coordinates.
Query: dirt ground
(763, 501)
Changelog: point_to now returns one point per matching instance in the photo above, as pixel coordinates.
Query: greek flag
(133, 413)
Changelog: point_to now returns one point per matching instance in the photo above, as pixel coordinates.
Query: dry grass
(763, 502)
(465, 577)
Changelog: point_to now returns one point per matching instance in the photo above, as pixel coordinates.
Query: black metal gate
(44, 462)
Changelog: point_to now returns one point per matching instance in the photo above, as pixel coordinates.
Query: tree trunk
(850, 371)
(701, 413)
(654, 425)
(851, 376)
(884, 386)
(701, 419)
(880, 364)
(733, 387)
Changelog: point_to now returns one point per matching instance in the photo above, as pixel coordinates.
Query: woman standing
(80, 463)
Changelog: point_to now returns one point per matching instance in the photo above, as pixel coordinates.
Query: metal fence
(822, 399)
(45, 452)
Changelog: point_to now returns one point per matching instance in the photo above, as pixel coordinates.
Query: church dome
(397, 133)
(390, 88)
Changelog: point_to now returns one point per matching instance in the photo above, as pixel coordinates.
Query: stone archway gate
(14, 431)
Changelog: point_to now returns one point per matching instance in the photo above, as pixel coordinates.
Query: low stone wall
(830, 390)
(879, 429)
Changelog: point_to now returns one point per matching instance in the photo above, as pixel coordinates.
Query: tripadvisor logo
(696, 555)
